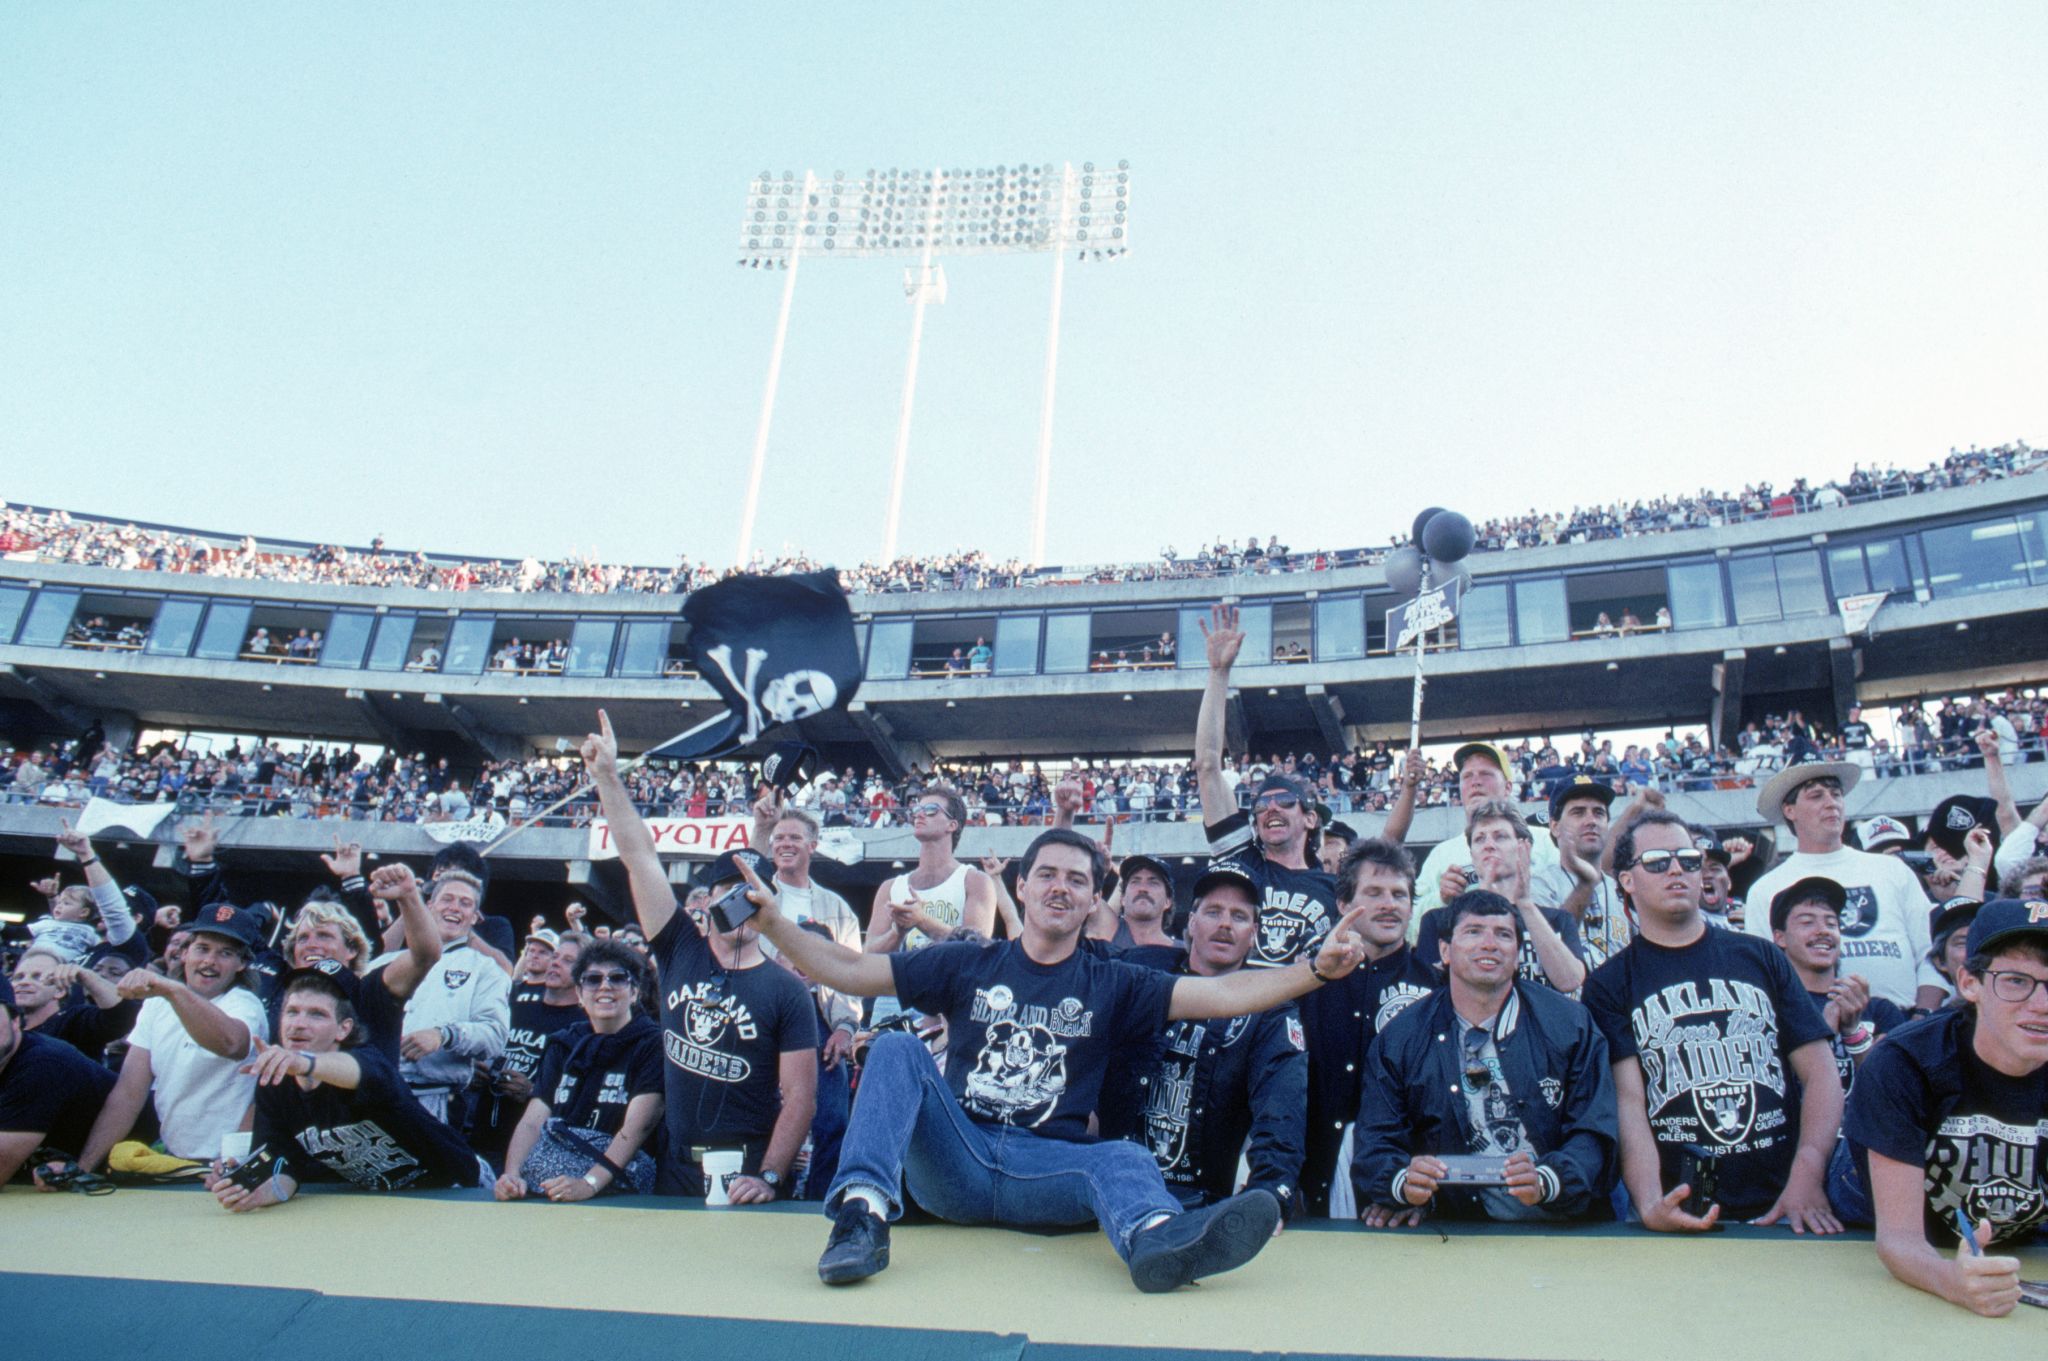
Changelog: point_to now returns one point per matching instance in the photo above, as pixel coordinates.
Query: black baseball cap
(787, 763)
(1579, 787)
(1133, 863)
(1955, 817)
(1805, 891)
(1222, 873)
(2004, 919)
(331, 974)
(727, 867)
(224, 919)
(1951, 916)
(1707, 842)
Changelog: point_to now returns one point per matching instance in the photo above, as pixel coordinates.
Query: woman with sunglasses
(1707, 1030)
(598, 1077)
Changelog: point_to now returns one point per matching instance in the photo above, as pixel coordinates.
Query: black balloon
(1447, 537)
(1404, 570)
(1422, 523)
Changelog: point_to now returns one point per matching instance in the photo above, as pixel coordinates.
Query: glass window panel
(13, 604)
(1256, 621)
(1845, 570)
(1696, 600)
(225, 630)
(469, 644)
(646, 650)
(1799, 585)
(1340, 627)
(48, 617)
(1483, 617)
(1887, 565)
(1066, 642)
(348, 637)
(394, 636)
(2033, 544)
(172, 631)
(1964, 559)
(889, 652)
(1755, 583)
(1016, 644)
(1189, 649)
(590, 647)
(1541, 612)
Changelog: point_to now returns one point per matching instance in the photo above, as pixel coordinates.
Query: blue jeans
(908, 1131)
(828, 1129)
(1846, 1193)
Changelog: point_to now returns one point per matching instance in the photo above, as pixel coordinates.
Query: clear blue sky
(463, 273)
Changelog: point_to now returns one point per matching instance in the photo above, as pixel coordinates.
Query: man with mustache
(1806, 923)
(1204, 1086)
(1489, 1066)
(1136, 926)
(1340, 1020)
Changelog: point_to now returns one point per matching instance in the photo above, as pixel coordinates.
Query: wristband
(1859, 1040)
(86, 863)
(277, 1188)
(311, 1063)
(1312, 972)
(590, 1180)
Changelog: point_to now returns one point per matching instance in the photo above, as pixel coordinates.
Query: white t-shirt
(199, 1095)
(1884, 927)
(1456, 852)
(816, 904)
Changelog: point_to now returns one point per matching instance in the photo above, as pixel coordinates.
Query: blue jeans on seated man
(908, 1131)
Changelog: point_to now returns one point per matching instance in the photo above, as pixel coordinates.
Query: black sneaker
(858, 1247)
(1205, 1242)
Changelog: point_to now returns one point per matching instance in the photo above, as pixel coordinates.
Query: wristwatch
(773, 1178)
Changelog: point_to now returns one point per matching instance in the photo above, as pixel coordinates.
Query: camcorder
(733, 910)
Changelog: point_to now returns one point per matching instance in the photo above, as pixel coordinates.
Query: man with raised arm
(1501, 845)
(740, 1034)
(1271, 843)
(1001, 1137)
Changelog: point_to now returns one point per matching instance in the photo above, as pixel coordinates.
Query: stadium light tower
(924, 214)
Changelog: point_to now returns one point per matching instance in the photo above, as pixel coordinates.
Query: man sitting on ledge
(1000, 1137)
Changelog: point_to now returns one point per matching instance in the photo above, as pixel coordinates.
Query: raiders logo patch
(1859, 912)
(1553, 1092)
(455, 978)
(1960, 819)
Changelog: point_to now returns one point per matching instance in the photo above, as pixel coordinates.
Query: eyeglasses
(1660, 862)
(2009, 985)
(1277, 799)
(610, 979)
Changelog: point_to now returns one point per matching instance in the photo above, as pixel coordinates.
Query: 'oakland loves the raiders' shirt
(377, 1137)
(724, 1033)
(1297, 908)
(1028, 1043)
(1713, 1025)
(1925, 1099)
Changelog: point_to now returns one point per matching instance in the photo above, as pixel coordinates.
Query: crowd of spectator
(40, 535)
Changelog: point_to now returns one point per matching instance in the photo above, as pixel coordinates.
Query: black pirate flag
(776, 648)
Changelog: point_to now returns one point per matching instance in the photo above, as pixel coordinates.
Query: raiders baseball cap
(1813, 886)
(1133, 863)
(331, 974)
(1486, 749)
(1224, 872)
(1707, 842)
(1955, 817)
(727, 867)
(224, 919)
(1578, 787)
(2008, 919)
(1879, 832)
(788, 763)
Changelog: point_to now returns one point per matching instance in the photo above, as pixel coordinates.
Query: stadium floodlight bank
(927, 214)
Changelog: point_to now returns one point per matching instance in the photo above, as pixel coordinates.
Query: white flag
(140, 818)
(1859, 610)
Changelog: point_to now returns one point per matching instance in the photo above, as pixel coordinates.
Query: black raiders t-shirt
(724, 1034)
(1429, 938)
(534, 1019)
(51, 1089)
(1924, 1098)
(1028, 1043)
(1297, 908)
(588, 1079)
(377, 1137)
(1881, 1016)
(1855, 735)
(1713, 1025)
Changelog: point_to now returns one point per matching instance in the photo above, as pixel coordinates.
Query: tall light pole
(924, 214)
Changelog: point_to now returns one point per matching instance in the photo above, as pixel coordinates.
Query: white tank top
(944, 902)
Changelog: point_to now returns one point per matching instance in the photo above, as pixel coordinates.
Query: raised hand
(389, 883)
(347, 860)
(1739, 848)
(200, 840)
(1221, 636)
(758, 893)
(140, 984)
(1987, 742)
(1066, 795)
(600, 750)
(1343, 949)
(1414, 768)
(1848, 996)
(271, 1064)
(574, 914)
(74, 841)
(49, 887)
(168, 916)
(1978, 848)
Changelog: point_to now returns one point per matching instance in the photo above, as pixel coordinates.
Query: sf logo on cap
(223, 913)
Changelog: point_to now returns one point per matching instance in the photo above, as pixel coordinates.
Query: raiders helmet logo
(1726, 1110)
(455, 978)
(1859, 913)
(2003, 1201)
(1553, 1092)
(1960, 819)
(705, 1022)
(1282, 932)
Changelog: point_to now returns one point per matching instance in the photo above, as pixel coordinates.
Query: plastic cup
(720, 1167)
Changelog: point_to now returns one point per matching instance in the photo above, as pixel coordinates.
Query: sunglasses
(928, 810)
(1477, 1075)
(611, 978)
(1659, 862)
(1278, 799)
